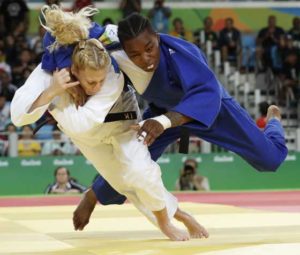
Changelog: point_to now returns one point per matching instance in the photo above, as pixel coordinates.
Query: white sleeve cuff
(164, 121)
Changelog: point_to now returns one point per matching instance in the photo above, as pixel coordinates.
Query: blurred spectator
(64, 183)
(79, 4)
(261, 122)
(5, 67)
(3, 146)
(107, 21)
(20, 33)
(230, 43)
(289, 76)
(201, 36)
(295, 31)
(23, 67)
(6, 87)
(27, 146)
(45, 132)
(130, 6)
(58, 146)
(2, 51)
(36, 45)
(4, 112)
(279, 53)
(267, 38)
(12, 13)
(10, 50)
(248, 50)
(9, 129)
(159, 16)
(180, 31)
(189, 179)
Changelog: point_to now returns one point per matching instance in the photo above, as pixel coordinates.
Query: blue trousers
(234, 130)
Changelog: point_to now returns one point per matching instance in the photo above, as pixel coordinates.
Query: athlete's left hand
(149, 131)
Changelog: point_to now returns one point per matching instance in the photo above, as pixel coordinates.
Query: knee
(116, 200)
(269, 158)
(272, 164)
(273, 167)
(106, 194)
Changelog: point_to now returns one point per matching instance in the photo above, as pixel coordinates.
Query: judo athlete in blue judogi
(182, 91)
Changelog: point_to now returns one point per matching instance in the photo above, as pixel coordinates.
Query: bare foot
(168, 228)
(194, 228)
(82, 214)
(175, 234)
(273, 112)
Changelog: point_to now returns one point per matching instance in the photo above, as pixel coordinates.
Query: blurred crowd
(20, 52)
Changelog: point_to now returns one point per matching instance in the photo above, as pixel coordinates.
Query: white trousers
(126, 164)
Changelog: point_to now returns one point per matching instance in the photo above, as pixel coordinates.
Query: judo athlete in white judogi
(111, 147)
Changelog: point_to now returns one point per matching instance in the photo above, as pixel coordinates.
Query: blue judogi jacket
(182, 82)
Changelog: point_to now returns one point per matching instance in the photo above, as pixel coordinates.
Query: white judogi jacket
(111, 147)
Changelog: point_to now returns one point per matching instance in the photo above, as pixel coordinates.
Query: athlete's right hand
(61, 81)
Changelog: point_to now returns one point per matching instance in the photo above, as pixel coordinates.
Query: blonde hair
(90, 54)
(73, 28)
(67, 27)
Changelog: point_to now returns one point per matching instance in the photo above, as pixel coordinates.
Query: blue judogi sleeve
(61, 57)
(202, 92)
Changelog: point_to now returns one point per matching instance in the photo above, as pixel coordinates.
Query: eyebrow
(95, 81)
(132, 52)
(148, 44)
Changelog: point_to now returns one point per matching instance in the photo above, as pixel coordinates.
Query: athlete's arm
(177, 119)
(37, 82)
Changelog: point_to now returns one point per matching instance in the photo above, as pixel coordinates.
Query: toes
(82, 225)
(206, 235)
(202, 233)
(197, 236)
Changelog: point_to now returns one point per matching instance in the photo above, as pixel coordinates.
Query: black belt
(131, 115)
(111, 117)
(184, 140)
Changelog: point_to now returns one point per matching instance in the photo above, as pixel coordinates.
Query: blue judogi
(184, 83)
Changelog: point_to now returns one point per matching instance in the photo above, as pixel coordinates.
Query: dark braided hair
(132, 26)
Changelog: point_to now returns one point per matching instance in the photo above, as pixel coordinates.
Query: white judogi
(112, 148)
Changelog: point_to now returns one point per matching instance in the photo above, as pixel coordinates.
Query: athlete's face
(90, 80)
(143, 50)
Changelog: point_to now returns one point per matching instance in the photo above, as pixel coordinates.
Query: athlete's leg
(236, 131)
(107, 195)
